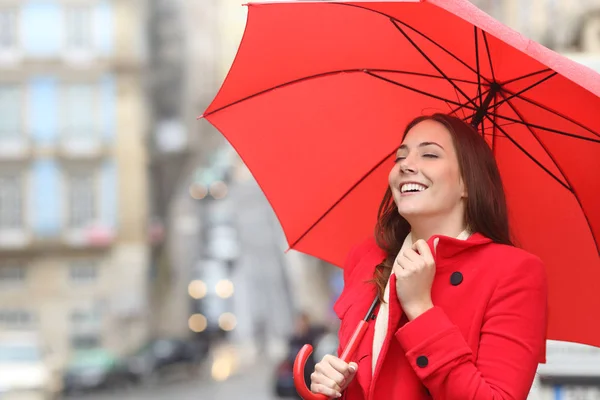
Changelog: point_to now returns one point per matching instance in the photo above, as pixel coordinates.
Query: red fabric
(320, 143)
(483, 339)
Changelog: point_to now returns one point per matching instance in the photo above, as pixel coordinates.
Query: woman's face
(426, 180)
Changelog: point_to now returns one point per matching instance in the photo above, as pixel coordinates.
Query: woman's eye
(430, 155)
(399, 159)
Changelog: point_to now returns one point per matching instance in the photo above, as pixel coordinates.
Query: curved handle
(306, 351)
(299, 364)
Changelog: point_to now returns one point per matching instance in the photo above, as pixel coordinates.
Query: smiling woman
(462, 312)
(453, 162)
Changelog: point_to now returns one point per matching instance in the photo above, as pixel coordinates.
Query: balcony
(10, 57)
(92, 236)
(16, 242)
(81, 144)
(14, 239)
(14, 147)
(79, 57)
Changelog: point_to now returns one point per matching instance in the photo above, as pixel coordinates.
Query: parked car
(324, 343)
(27, 368)
(161, 356)
(96, 369)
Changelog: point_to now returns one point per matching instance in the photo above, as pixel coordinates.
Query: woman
(463, 312)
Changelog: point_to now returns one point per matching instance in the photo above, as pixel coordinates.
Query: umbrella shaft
(483, 109)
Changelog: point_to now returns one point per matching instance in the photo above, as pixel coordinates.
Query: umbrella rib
(527, 88)
(532, 158)
(572, 135)
(324, 74)
(494, 127)
(415, 30)
(346, 194)
(543, 107)
(518, 78)
(463, 105)
(487, 48)
(477, 63)
(530, 129)
(453, 111)
(434, 65)
(413, 89)
(570, 187)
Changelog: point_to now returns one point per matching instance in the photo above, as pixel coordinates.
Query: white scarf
(381, 323)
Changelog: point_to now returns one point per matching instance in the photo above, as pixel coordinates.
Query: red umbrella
(320, 92)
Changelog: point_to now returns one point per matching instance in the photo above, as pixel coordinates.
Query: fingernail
(338, 395)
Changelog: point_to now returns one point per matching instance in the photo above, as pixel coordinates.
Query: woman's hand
(332, 376)
(415, 269)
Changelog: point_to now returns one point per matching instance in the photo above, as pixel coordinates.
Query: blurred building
(184, 47)
(73, 202)
(562, 25)
(210, 225)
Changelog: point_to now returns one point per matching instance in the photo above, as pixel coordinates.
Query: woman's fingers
(323, 389)
(331, 376)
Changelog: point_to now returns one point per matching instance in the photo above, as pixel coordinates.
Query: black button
(373, 316)
(422, 361)
(456, 278)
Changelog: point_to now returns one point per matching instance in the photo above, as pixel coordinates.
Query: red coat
(482, 340)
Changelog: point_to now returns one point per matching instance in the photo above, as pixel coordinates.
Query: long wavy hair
(485, 211)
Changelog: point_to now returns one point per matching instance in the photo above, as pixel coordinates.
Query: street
(253, 383)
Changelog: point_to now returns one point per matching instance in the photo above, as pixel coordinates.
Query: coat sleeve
(511, 344)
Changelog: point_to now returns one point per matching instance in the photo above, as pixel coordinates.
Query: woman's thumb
(353, 368)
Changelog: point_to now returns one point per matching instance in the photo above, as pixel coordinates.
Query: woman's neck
(424, 229)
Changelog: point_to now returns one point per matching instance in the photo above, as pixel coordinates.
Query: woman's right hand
(332, 376)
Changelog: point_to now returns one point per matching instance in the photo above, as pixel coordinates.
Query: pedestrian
(463, 311)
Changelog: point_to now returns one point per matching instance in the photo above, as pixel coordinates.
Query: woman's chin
(409, 213)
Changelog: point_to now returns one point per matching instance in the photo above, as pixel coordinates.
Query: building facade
(73, 203)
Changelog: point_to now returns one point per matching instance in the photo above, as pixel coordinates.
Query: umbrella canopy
(320, 92)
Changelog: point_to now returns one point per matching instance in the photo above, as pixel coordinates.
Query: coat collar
(449, 247)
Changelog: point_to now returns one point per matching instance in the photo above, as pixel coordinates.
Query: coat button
(422, 361)
(456, 278)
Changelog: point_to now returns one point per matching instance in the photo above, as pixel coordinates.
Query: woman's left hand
(415, 269)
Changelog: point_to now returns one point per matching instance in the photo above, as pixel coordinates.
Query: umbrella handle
(306, 351)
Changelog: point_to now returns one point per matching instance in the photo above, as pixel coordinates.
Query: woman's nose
(407, 166)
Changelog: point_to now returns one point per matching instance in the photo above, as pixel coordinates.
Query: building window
(11, 200)
(10, 110)
(85, 341)
(79, 28)
(8, 29)
(86, 326)
(83, 272)
(84, 319)
(79, 110)
(16, 319)
(81, 199)
(12, 274)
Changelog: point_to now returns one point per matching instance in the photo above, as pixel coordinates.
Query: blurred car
(27, 368)
(161, 355)
(325, 343)
(95, 369)
(284, 379)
